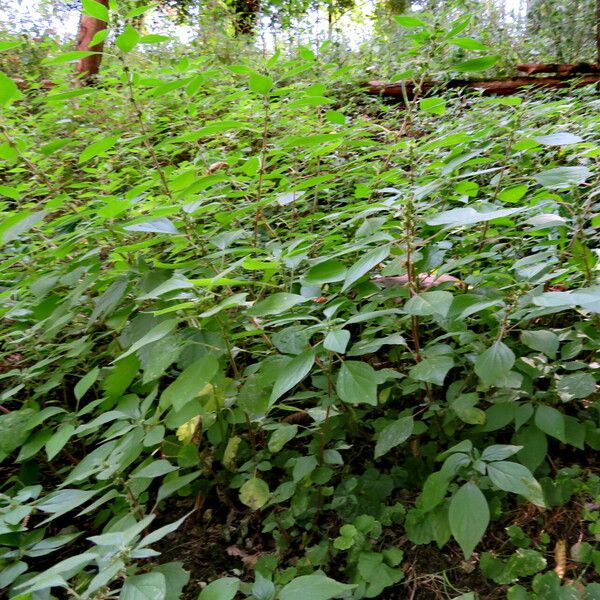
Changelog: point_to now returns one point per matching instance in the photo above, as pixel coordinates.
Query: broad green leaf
(275, 304)
(128, 39)
(98, 38)
(409, 21)
(434, 491)
(174, 484)
(429, 303)
(303, 467)
(281, 436)
(190, 382)
(58, 441)
(514, 193)
(575, 386)
(499, 452)
(326, 272)
(67, 57)
(21, 222)
(561, 138)
(464, 405)
(260, 84)
(9, 45)
(542, 341)
(157, 468)
(139, 10)
(95, 9)
(337, 341)
(109, 299)
(54, 575)
(357, 383)
(433, 105)
(148, 586)
(365, 264)
(467, 43)
(13, 429)
(85, 383)
(8, 90)
(292, 374)
(393, 435)
(315, 587)
(9, 192)
(588, 298)
(221, 589)
(535, 446)
(563, 177)
(481, 63)
(432, 370)
(551, 422)
(98, 148)
(334, 116)
(469, 216)
(161, 532)
(156, 333)
(158, 225)
(231, 302)
(468, 516)
(515, 478)
(176, 577)
(154, 38)
(254, 493)
(493, 364)
(62, 501)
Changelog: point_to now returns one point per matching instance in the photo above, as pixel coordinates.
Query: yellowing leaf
(185, 433)
(254, 493)
(231, 451)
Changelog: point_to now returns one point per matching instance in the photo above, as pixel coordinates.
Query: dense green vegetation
(208, 376)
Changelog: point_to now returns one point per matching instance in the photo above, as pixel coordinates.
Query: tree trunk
(88, 67)
(486, 87)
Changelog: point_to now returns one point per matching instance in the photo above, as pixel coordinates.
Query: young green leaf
(275, 304)
(260, 84)
(190, 382)
(409, 21)
(337, 341)
(148, 586)
(493, 364)
(128, 39)
(469, 516)
(357, 383)
(292, 374)
(551, 421)
(515, 478)
(576, 386)
(95, 9)
(98, 148)
(432, 369)
(8, 90)
(477, 64)
(365, 264)
(393, 434)
(561, 178)
(316, 587)
(542, 341)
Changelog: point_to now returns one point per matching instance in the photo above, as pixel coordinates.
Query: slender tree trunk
(88, 67)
